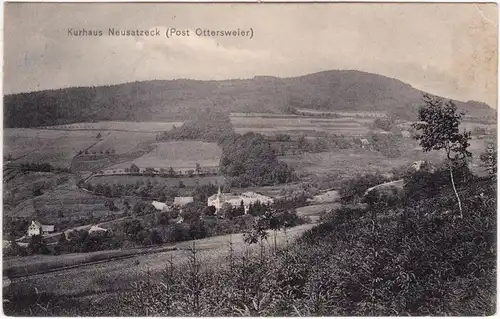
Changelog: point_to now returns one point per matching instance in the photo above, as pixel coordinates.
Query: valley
(128, 193)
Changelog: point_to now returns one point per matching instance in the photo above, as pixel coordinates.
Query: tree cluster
(207, 125)
(250, 160)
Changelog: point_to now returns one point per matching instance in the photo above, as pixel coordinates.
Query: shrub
(353, 189)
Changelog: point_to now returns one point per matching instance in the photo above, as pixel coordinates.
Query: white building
(159, 205)
(97, 229)
(38, 229)
(247, 198)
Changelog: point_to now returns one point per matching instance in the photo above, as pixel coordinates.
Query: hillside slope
(177, 99)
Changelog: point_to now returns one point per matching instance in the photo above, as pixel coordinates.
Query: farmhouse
(246, 199)
(38, 229)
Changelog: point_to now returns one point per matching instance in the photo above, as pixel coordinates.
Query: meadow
(178, 155)
(350, 162)
(122, 142)
(45, 146)
(118, 126)
(358, 114)
(270, 124)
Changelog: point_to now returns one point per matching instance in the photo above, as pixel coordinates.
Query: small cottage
(37, 228)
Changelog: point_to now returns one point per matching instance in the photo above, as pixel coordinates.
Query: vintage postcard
(236, 159)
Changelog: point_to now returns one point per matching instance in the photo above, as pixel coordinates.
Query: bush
(386, 124)
(424, 184)
(353, 189)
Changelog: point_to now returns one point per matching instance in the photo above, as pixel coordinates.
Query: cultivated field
(365, 114)
(178, 155)
(300, 125)
(465, 125)
(122, 142)
(45, 146)
(119, 126)
(74, 204)
(350, 162)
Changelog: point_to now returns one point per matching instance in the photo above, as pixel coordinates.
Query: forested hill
(177, 99)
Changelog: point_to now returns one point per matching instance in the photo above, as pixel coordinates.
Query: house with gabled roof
(37, 228)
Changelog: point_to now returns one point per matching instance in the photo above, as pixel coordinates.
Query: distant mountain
(179, 99)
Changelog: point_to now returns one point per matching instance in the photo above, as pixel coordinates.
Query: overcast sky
(445, 49)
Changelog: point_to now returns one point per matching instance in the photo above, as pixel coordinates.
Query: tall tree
(438, 129)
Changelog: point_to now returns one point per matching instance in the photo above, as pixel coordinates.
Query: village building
(37, 228)
(247, 198)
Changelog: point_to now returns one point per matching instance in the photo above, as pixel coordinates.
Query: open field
(61, 202)
(122, 142)
(465, 125)
(44, 146)
(299, 125)
(366, 114)
(73, 203)
(119, 126)
(470, 126)
(350, 162)
(35, 264)
(118, 274)
(167, 181)
(178, 155)
(344, 163)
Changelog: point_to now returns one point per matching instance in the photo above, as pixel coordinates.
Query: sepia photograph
(249, 159)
